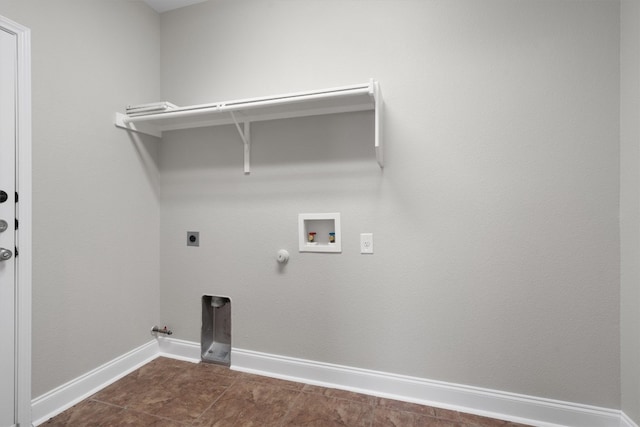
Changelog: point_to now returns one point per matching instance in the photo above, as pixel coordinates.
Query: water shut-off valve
(164, 330)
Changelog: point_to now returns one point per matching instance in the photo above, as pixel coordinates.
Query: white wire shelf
(364, 97)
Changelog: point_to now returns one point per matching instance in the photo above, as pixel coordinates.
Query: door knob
(5, 254)
(3, 225)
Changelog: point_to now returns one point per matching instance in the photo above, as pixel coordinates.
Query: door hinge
(16, 197)
(15, 251)
(16, 227)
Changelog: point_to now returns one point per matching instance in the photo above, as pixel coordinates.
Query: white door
(8, 371)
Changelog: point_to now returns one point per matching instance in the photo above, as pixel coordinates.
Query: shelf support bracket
(374, 91)
(245, 134)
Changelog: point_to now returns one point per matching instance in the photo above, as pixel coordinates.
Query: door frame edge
(24, 215)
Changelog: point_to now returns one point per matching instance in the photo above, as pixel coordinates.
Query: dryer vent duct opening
(216, 330)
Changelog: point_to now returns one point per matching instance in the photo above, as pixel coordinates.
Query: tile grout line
(373, 412)
(235, 381)
(91, 399)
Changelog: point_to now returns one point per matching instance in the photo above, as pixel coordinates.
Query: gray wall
(630, 206)
(495, 219)
(95, 201)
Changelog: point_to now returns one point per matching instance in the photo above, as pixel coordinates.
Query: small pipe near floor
(157, 330)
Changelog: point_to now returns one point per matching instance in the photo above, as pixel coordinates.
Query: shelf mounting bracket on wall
(374, 92)
(245, 134)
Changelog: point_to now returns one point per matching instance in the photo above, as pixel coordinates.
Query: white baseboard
(65, 396)
(179, 349)
(524, 409)
(625, 421)
(492, 403)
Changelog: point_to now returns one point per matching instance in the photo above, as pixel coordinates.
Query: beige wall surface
(495, 219)
(630, 206)
(95, 189)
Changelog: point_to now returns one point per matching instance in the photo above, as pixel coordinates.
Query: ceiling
(165, 5)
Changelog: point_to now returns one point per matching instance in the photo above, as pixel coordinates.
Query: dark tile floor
(167, 392)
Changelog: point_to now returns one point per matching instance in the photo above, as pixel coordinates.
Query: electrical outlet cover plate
(366, 243)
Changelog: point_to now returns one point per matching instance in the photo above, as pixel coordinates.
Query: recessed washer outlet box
(193, 238)
(319, 232)
(215, 342)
